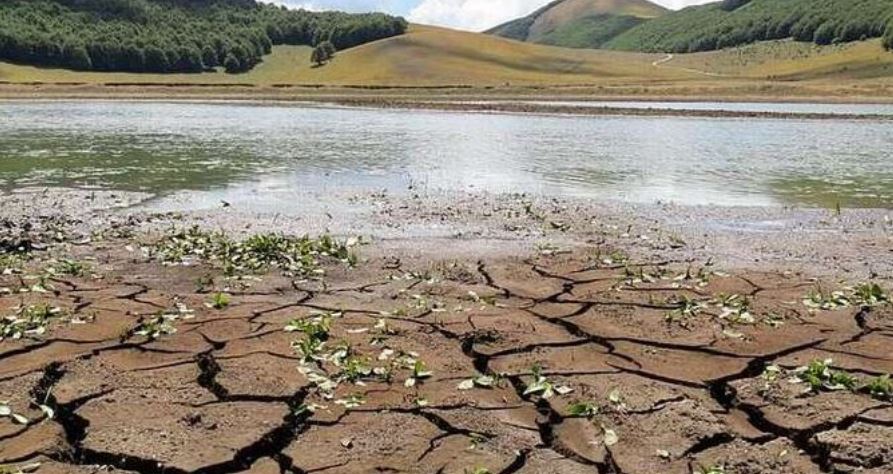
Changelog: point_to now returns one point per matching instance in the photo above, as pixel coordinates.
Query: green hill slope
(579, 23)
(736, 22)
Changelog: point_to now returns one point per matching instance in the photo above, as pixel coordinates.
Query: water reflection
(225, 150)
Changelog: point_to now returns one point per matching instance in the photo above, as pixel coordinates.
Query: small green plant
(701, 277)
(583, 409)
(11, 263)
(686, 309)
(542, 386)
(294, 256)
(308, 348)
(865, 294)
(870, 294)
(69, 267)
(819, 375)
(633, 276)
(28, 321)
(419, 372)
(539, 385)
(157, 326)
(316, 332)
(316, 327)
(880, 387)
(820, 299)
(481, 381)
(355, 369)
(219, 301)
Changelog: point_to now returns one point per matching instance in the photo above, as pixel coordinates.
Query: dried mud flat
(159, 352)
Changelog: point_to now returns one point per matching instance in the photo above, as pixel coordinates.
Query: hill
(737, 22)
(171, 35)
(436, 57)
(579, 23)
(423, 56)
(787, 61)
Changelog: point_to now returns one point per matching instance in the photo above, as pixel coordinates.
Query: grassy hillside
(736, 22)
(589, 31)
(424, 56)
(428, 56)
(579, 23)
(788, 60)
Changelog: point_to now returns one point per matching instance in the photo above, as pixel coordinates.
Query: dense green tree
(171, 35)
(328, 48)
(232, 64)
(156, 59)
(209, 57)
(76, 57)
(736, 22)
(319, 56)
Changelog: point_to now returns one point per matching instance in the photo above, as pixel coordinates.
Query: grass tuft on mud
(295, 256)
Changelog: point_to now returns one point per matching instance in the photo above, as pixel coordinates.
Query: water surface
(749, 107)
(265, 155)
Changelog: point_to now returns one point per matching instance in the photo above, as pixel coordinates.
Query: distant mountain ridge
(579, 23)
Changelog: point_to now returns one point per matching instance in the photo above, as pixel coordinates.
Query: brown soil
(674, 392)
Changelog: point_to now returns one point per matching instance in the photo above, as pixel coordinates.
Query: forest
(736, 22)
(171, 35)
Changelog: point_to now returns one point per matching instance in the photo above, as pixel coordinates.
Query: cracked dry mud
(223, 394)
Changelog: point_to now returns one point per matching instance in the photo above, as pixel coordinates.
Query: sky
(473, 15)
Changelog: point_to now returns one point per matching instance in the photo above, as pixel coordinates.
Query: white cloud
(478, 15)
(474, 15)
(345, 5)
(677, 4)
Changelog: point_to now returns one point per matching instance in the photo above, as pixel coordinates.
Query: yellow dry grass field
(438, 57)
(790, 60)
(425, 56)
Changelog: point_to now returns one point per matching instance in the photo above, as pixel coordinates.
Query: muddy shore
(456, 333)
(525, 100)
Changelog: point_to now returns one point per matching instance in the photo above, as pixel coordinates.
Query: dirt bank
(501, 334)
(482, 99)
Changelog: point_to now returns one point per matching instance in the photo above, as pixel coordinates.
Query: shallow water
(755, 107)
(266, 156)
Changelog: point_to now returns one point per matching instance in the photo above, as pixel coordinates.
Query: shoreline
(498, 106)
(537, 335)
(458, 99)
(853, 245)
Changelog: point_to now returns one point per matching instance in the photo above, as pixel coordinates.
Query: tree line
(171, 35)
(732, 23)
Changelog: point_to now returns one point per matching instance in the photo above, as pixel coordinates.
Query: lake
(750, 107)
(262, 155)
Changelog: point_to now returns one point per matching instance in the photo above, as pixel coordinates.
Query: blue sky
(472, 15)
